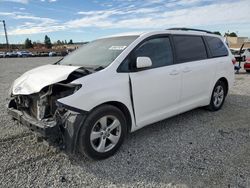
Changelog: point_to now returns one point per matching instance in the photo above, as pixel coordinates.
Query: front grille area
(42, 105)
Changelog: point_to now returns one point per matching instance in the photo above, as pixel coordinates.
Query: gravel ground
(195, 149)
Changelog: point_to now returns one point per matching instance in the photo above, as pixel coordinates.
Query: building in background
(236, 42)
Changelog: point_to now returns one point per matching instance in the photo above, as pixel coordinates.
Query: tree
(232, 34)
(58, 42)
(217, 33)
(70, 41)
(28, 43)
(47, 42)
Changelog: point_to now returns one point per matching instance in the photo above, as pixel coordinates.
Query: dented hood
(36, 79)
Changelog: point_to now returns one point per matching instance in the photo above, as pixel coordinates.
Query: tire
(218, 96)
(95, 140)
(248, 71)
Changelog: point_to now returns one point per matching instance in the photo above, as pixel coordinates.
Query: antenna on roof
(189, 29)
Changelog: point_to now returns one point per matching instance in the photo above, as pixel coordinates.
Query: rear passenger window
(189, 48)
(158, 50)
(216, 47)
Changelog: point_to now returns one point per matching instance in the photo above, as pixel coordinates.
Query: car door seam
(131, 97)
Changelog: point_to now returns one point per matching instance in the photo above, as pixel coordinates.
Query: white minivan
(92, 98)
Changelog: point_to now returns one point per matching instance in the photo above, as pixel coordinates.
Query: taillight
(234, 61)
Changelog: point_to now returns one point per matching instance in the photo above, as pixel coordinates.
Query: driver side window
(158, 50)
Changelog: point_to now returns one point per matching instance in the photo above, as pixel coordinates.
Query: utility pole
(6, 36)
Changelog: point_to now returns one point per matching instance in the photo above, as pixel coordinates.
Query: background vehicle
(11, 54)
(24, 54)
(238, 54)
(2, 54)
(246, 54)
(51, 54)
(93, 97)
(247, 65)
(43, 54)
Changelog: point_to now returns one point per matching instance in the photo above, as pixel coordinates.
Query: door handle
(174, 72)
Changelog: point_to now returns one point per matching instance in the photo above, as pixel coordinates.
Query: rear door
(197, 70)
(155, 90)
(222, 56)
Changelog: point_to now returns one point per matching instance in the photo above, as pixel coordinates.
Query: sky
(86, 20)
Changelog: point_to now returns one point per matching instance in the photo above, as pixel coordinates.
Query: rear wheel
(218, 96)
(102, 133)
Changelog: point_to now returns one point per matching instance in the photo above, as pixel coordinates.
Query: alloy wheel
(105, 134)
(218, 96)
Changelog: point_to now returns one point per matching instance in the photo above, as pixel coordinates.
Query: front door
(155, 90)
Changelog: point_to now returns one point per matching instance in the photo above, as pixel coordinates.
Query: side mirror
(143, 62)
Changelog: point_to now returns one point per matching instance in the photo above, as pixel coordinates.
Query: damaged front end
(53, 121)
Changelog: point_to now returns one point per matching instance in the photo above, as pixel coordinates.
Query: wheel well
(125, 111)
(226, 83)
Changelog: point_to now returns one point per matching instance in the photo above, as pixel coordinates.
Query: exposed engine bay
(42, 105)
(40, 112)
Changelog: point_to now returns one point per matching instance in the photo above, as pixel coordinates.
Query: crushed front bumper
(63, 131)
(45, 129)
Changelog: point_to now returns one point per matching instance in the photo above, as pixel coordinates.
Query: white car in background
(93, 97)
(2, 54)
(51, 54)
(24, 54)
(243, 55)
(246, 54)
(11, 54)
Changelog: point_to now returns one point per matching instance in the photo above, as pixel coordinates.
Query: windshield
(99, 53)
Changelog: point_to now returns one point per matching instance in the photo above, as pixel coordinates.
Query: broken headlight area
(42, 105)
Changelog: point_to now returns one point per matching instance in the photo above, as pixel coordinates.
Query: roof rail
(189, 29)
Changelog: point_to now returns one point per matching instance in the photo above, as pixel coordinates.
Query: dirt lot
(195, 149)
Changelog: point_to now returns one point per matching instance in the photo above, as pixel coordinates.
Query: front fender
(97, 90)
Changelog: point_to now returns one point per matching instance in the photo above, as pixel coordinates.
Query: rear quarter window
(216, 46)
(189, 48)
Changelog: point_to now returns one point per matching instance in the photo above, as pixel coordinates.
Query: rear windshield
(99, 53)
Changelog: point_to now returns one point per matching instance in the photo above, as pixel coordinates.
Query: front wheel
(218, 96)
(102, 133)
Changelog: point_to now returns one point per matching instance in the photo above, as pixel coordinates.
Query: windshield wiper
(94, 68)
(58, 62)
(99, 68)
(85, 69)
